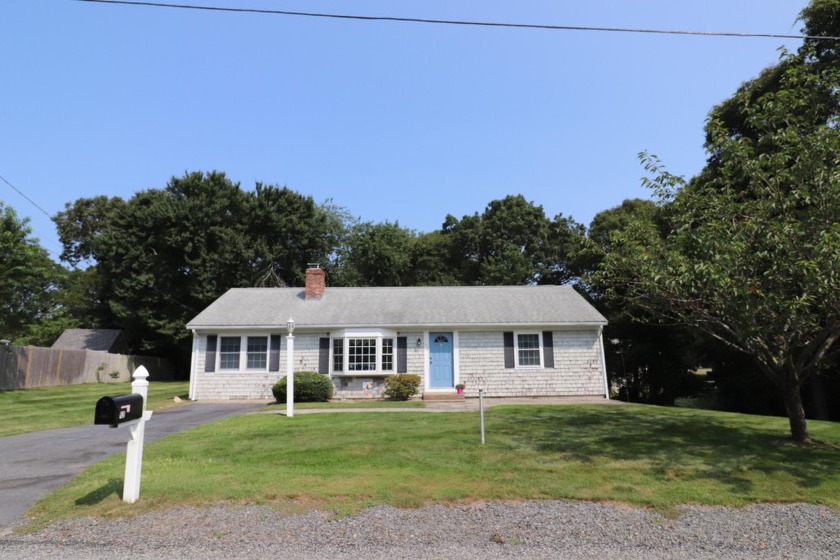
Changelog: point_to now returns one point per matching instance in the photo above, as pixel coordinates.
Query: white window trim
(376, 334)
(243, 352)
(267, 352)
(540, 350)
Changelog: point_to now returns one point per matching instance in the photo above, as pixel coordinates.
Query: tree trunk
(796, 414)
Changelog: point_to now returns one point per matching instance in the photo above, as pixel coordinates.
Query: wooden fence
(22, 367)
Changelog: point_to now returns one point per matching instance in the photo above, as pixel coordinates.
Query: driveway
(31, 465)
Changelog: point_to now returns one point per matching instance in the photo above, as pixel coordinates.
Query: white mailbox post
(137, 429)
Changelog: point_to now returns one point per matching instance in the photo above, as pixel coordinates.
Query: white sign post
(137, 429)
(481, 412)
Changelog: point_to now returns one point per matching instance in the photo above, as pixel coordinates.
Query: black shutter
(274, 353)
(402, 354)
(324, 355)
(210, 353)
(548, 349)
(509, 361)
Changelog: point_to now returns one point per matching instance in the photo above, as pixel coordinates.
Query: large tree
(512, 242)
(162, 256)
(646, 362)
(375, 255)
(751, 254)
(28, 279)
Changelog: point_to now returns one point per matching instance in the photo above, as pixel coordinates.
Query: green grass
(644, 456)
(45, 408)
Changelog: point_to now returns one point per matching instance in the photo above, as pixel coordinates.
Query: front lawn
(640, 455)
(46, 408)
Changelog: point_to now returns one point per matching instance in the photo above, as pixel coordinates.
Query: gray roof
(431, 306)
(87, 339)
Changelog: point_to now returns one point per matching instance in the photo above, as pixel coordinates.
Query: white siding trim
(603, 362)
(193, 366)
(456, 359)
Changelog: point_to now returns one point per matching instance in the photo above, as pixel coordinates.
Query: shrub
(402, 386)
(310, 386)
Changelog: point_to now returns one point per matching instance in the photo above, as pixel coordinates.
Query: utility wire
(470, 23)
(73, 265)
(26, 197)
(35, 204)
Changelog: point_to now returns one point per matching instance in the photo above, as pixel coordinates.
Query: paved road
(31, 465)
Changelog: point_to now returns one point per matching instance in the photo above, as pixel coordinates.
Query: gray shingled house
(509, 340)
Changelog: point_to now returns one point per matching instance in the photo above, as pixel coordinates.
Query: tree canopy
(512, 242)
(163, 255)
(752, 250)
(29, 279)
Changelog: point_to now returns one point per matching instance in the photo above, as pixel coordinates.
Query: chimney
(316, 282)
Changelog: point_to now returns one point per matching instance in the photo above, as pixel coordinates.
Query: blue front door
(441, 373)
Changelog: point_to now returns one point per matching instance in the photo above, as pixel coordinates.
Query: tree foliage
(512, 242)
(165, 254)
(646, 362)
(29, 280)
(752, 251)
(376, 255)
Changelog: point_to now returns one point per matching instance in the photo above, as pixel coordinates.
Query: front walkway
(466, 405)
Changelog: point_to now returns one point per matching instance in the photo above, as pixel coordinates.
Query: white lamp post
(290, 365)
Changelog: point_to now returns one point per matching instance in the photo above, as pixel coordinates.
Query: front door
(441, 373)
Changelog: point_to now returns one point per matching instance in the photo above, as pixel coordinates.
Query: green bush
(310, 386)
(402, 386)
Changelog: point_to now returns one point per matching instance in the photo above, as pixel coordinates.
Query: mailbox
(119, 409)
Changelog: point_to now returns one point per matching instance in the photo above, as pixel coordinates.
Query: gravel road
(530, 529)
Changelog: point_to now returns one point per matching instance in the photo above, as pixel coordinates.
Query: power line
(465, 22)
(73, 265)
(35, 204)
(26, 197)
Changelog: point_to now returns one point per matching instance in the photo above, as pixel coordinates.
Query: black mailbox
(119, 409)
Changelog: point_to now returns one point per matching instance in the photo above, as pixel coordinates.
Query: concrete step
(443, 397)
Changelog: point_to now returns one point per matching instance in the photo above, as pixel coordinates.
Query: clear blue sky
(394, 121)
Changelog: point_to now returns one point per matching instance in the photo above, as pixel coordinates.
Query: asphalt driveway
(31, 465)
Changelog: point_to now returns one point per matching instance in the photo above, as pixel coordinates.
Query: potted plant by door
(460, 388)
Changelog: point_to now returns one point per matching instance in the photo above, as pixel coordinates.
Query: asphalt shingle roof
(400, 307)
(87, 339)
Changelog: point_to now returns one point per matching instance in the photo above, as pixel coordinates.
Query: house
(509, 340)
(103, 340)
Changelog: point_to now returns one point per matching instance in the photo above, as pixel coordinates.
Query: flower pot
(460, 391)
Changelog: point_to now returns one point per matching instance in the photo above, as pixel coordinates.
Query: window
(387, 354)
(229, 352)
(257, 352)
(338, 354)
(243, 353)
(528, 348)
(363, 352)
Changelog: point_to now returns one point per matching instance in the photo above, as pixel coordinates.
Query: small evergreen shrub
(402, 386)
(310, 386)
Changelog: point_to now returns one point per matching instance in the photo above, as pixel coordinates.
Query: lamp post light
(290, 365)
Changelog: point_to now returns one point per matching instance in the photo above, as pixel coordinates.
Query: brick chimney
(316, 282)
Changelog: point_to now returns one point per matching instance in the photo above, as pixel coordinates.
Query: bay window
(359, 353)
